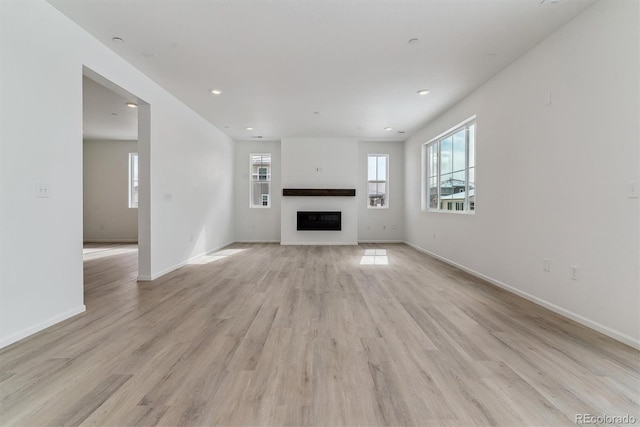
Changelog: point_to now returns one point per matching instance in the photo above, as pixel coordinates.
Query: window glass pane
(446, 185)
(472, 189)
(472, 178)
(382, 168)
(133, 180)
(433, 155)
(433, 192)
(472, 145)
(372, 168)
(446, 149)
(373, 188)
(135, 167)
(458, 183)
(459, 155)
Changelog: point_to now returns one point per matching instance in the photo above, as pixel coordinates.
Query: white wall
(381, 225)
(106, 213)
(43, 54)
(552, 179)
(337, 158)
(256, 224)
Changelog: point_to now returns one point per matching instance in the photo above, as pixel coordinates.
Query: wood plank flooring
(263, 334)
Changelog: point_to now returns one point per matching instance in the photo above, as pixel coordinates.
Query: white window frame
(258, 177)
(134, 181)
(427, 173)
(386, 181)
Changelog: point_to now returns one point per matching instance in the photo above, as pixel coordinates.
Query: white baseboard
(180, 264)
(257, 241)
(40, 326)
(381, 241)
(110, 241)
(318, 243)
(616, 335)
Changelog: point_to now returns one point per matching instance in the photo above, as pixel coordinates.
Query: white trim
(618, 336)
(110, 241)
(42, 325)
(381, 241)
(257, 241)
(180, 264)
(451, 130)
(318, 243)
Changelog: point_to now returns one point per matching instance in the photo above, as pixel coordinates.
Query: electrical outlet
(546, 264)
(574, 272)
(167, 197)
(42, 191)
(633, 190)
(434, 235)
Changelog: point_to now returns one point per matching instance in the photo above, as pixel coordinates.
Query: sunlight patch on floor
(91, 253)
(374, 257)
(215, 256)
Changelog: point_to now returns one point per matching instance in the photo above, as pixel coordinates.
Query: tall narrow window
(133, 180)
(449, 164)
(378, 181)
(260, 192)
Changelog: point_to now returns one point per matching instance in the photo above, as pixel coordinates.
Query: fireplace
(319, 221)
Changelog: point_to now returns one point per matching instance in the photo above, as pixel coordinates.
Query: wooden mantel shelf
(347, 192)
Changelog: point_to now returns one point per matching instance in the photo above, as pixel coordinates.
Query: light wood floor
(262, 334)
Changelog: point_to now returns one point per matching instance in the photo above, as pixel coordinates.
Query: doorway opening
(115, 151)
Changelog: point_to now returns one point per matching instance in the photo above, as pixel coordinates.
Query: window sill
(449, 212)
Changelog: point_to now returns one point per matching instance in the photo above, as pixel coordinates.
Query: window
(133, 180)
(377, 181)
(449, 165)
(260, 180)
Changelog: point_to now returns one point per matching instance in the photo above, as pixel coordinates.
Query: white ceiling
(281, 61)
(105, 114)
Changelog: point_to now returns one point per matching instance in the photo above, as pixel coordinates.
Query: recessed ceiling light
(423, 91)
(388, 128)
(114, 114)
(132, 105)
(316, 112)
(117, 40)
(216, 91)
(249, 128)
(414, 41)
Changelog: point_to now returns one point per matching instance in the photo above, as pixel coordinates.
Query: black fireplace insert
(319, 221)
